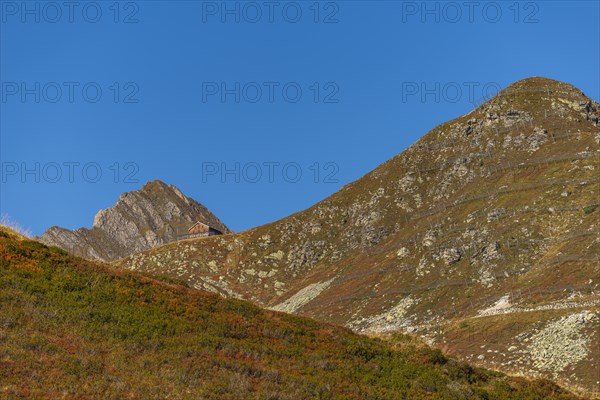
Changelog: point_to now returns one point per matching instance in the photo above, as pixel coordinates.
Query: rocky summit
(482, 238)
(140, 220)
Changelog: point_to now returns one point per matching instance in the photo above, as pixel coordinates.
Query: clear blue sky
(162, 107)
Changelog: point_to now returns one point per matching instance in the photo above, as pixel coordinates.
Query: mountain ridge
(498, 202)
(142, 219)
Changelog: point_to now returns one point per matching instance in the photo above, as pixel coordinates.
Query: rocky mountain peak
(488, 224)
(139, 220)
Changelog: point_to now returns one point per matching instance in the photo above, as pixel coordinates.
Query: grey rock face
(139, 220)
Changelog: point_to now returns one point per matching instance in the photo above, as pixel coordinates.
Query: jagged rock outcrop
(139, 220)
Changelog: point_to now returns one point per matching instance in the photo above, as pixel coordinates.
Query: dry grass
(13, 229)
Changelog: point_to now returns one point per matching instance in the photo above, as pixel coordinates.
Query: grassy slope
(70, 328)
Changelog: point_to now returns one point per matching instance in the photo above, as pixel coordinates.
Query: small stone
(402, 252)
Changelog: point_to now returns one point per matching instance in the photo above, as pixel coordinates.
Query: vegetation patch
(74, 329)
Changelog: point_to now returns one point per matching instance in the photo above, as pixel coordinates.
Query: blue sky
(255, 109)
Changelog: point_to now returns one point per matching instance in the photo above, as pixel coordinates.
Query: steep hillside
(75, 329)
(139, 220)
(482, 238)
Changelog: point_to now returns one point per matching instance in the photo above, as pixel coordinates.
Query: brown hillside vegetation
(74, 329)
(482, 238)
